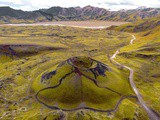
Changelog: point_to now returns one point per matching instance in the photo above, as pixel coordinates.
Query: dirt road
(152, 114)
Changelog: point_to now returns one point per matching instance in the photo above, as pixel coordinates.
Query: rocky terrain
(9, 15)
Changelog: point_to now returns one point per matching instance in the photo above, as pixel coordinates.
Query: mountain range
(10, 15)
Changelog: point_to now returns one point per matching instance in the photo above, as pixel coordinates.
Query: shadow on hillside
(20, 51)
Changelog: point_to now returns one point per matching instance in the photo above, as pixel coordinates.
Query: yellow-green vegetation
(39, 50)
(82, 81)
(144, 57)
(141, 25)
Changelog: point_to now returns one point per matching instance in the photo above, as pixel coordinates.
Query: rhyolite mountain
(9, 15)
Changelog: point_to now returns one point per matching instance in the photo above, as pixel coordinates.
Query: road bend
(151, 113)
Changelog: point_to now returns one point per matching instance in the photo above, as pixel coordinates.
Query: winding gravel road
(151, 113)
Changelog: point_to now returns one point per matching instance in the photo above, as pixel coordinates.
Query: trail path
(152, 114)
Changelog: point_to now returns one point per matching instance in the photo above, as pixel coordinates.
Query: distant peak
(89, 6)
(123, 10)
(5, 7)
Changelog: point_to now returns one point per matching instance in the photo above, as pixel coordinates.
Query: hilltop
(139, 26)
(9, 15)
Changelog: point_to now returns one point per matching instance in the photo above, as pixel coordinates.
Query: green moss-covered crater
(81, 83)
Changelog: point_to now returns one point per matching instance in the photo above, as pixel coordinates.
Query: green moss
(21, 74)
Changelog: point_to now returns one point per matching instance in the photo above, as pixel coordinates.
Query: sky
(29, 5)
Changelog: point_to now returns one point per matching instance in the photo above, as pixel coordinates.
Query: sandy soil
(83, 24)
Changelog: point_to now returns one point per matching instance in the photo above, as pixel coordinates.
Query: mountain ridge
(10, 15)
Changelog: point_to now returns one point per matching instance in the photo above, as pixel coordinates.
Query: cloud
(128, 4)
(10, 4)
(111, 3)
(108, 4)
(99, 3)
(17, 4)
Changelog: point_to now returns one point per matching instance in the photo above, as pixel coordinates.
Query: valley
(80, 24)
(79, 60)
(26, 52)
(48, 46)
